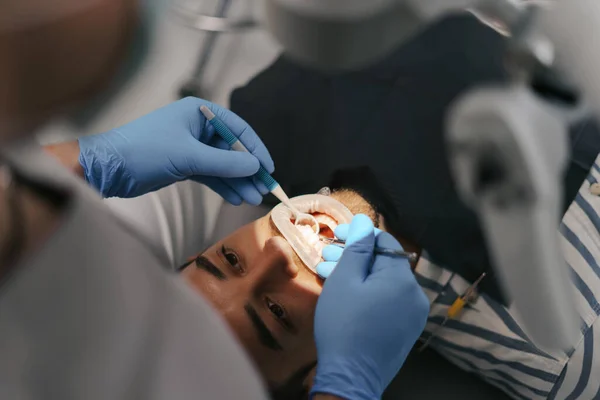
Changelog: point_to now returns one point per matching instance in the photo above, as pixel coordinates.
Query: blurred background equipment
(235, 58)
(519, 203)
(213, 25)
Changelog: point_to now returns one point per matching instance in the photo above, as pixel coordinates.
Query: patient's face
(268, 297)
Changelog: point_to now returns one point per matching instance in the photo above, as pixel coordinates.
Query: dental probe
(411, 257)
(262, 175)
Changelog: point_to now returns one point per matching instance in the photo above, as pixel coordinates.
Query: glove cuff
(347, 381)
(102, 164)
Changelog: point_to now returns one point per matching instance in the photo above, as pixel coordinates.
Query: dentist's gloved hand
(332, 254)
(172, 144)
(368, 317)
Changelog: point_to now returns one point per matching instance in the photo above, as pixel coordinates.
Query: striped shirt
(488, 339)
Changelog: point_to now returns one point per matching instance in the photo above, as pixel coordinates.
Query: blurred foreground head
(56, 55)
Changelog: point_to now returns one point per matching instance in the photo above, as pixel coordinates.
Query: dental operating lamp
(507, 149)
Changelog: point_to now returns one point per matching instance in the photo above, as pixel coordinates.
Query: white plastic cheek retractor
(301, 218)
(308, 251)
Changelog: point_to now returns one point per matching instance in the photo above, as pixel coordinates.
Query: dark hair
(363, 181)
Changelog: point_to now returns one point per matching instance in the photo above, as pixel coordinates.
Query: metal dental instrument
(455, 310)
(411, 257)
(262, 175)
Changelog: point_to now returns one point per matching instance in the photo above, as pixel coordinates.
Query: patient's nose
(278, 261)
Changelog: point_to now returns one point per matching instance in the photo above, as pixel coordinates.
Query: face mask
(305, 242)
(149, 12)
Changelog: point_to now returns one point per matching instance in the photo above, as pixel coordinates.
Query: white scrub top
(94, 314)
(178, 219)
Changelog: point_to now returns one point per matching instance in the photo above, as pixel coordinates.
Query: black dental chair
(428, 375)
(406, 96)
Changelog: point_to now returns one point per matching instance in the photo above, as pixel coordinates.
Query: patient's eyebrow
(264, 334)
(208, 266)
(184, 266)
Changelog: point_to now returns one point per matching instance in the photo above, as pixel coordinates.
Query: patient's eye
(277, 310)
(232, 259)
(282, 316)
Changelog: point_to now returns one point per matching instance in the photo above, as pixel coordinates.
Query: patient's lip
(327, 220)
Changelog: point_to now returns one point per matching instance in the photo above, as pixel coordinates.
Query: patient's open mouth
(307, 244)
(327, 226)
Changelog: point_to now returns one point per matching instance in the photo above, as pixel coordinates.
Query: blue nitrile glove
(332, 253)
(172, 144)
(368, 317)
